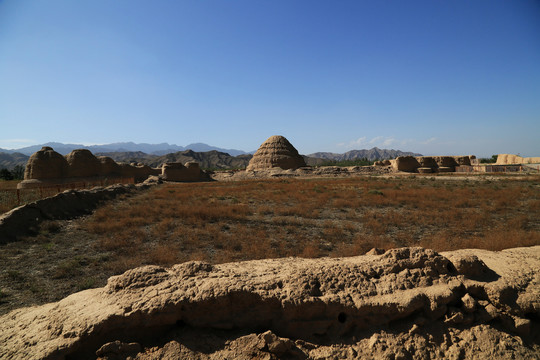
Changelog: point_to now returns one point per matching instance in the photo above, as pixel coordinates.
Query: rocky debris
(276, 152)
(405, 303)
(66, 205)
(46, 167)
(323, 171)
(118, 350)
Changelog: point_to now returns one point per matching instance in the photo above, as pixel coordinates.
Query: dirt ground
(267, 218)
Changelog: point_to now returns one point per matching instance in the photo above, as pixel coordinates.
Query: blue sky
(434, 76)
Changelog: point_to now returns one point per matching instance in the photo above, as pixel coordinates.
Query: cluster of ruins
(49, 167)
(429, 164)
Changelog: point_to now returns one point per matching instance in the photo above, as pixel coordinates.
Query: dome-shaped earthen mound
(108, 166)
(276, 152)
(46, 164)
(82, 163)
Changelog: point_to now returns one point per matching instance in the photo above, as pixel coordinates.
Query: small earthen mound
(276, 152)
(139, 172)
(178, 172)
(406, 163)
(46, 164)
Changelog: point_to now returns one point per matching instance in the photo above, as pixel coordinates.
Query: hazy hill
(371, 154)
(156, 149)
(207, 159)
(9, 161)
(211, 159)
(128, 156)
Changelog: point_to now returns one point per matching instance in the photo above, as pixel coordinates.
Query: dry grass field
(231, 221)
(221, 222)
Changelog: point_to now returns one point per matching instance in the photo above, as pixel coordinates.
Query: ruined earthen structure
(408, 303)
(510, 159)
(178, 172)
(430, 164)
(276, 152)
(47, 167)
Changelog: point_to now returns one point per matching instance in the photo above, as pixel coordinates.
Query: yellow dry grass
(231, 221)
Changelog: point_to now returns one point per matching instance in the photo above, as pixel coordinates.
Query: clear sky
(434, 76)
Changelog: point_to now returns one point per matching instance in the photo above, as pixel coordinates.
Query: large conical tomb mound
(276, 152)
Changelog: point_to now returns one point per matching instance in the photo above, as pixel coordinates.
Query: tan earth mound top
(408, 303)
(276, 152)
(46, 164)
(82, 163)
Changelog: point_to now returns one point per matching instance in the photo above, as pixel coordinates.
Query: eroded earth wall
(47, 167)
(410, 302)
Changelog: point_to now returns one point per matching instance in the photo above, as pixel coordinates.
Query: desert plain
(306, 263)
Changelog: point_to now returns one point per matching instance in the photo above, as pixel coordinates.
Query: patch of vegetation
(69, 268)
(86, 283)
(491, 160)
(16, 275)
(345, 163)
(230, 221)
(16, 174)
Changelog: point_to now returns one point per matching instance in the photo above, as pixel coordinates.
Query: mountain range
(371, 154)
(209, 157)
(152, 149)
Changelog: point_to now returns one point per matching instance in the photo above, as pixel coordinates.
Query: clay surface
(407, 303)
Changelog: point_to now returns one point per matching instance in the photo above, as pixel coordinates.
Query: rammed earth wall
(66, 205)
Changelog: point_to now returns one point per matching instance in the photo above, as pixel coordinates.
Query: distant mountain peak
(372, 154)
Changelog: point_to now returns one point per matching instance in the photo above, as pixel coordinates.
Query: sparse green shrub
(86, 283)
(491, 160)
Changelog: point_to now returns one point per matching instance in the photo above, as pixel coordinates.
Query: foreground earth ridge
(407, 303)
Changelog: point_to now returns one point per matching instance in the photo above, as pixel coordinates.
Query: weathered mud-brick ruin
(407, 303)
(430, 164)
(47, 167)
(276, 152)
(178, 172)
(510, 159)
